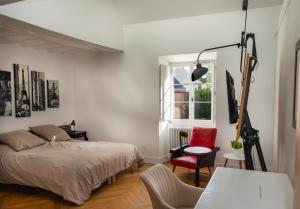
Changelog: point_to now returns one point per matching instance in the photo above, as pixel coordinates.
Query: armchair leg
(209, 170)
(174, 167)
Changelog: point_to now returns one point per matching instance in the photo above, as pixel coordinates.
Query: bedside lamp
(73, 125)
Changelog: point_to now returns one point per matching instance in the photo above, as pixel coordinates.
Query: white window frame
(191, 120)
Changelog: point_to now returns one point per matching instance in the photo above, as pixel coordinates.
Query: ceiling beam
(25, 34)
(3, 2)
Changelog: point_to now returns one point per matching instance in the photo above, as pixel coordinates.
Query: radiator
(174, 138)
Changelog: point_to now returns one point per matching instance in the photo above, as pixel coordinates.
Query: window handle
(192, 99)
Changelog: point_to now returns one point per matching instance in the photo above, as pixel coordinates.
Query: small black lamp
(200, 70)
(73, 125)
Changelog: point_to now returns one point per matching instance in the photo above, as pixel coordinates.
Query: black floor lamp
(244, 126)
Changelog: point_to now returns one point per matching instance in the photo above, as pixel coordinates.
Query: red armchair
(204, 137)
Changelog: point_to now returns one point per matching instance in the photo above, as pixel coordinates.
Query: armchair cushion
(187, 161)
(204, 137)
(190, 161)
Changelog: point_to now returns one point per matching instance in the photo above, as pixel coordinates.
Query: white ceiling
(130, 11)
(137, 11)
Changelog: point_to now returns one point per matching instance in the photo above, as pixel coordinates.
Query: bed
(71, 169)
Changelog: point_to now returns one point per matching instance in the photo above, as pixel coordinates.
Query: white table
(236, 156)
(243, 189)
(197, 151)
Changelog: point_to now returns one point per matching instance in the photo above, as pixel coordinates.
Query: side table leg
(241, 164)
(197, 177)
(85, 137)
(226, 161)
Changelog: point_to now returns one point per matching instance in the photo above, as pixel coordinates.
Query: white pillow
(50, 133)
(21, 140)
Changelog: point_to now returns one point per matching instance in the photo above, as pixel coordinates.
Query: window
(192, 101)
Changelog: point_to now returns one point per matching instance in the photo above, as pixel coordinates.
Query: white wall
(96, 21)
(54, 66)
(116, 100)
(288, 34)
(118, 95)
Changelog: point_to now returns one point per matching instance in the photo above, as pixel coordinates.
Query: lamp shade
(199, 72)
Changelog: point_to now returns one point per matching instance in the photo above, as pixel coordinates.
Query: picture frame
(296, 75)
(22, 90)
(5, 93)
(38, 91)
(53, 93)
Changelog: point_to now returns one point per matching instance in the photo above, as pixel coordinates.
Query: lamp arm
(219, 47)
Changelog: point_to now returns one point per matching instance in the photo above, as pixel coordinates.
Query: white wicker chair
(167, 191)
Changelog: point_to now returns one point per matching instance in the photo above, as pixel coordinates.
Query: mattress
(71, 169)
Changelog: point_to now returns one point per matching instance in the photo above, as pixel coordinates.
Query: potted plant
(236, 145)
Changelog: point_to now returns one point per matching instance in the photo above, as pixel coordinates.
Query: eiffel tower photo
(22, 96)
(5, 94)
(38, 91)
(53, 93)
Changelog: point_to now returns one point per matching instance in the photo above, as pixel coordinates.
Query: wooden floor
(128, 192)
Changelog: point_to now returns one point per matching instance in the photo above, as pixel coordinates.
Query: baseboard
(154, 159)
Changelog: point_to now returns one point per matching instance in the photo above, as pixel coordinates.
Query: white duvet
(71, 169)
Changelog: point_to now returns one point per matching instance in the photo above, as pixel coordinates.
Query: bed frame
(138, 163)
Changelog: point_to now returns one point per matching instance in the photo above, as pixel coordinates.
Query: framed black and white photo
(38, 87)
(53, 93)
(22, 90)
(296, 86)
(5, 94)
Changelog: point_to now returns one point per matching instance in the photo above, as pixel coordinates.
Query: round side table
(197, 151)
(235, 156)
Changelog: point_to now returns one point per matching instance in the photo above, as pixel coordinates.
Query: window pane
(202, 93)
(202, 111)
(181, 93)
(181, 111)
(181, 75)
